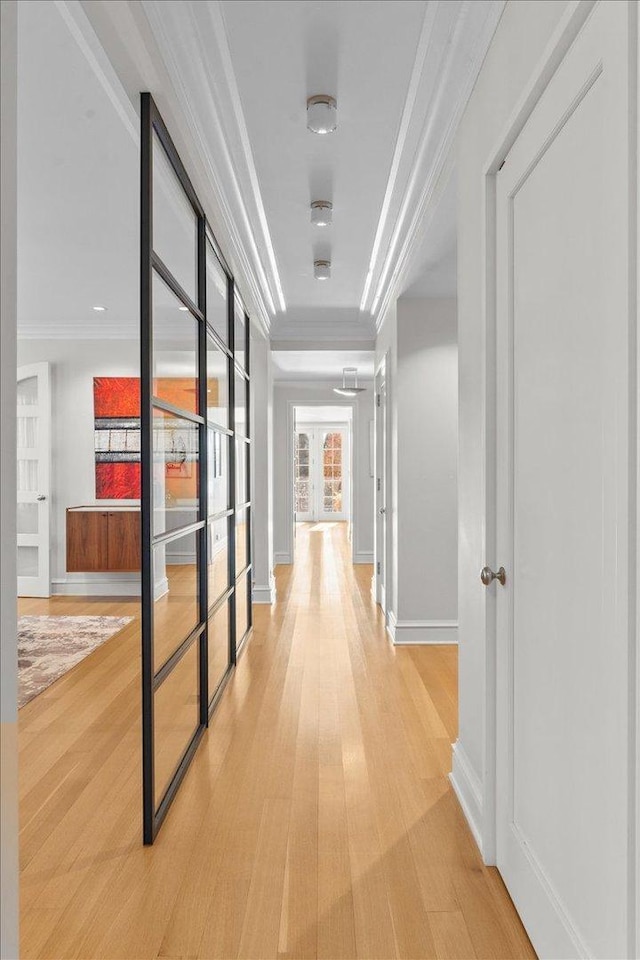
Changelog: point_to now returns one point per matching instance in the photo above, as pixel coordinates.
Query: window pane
(217, 296)
(218, 647)
(174, 223)
(218, 475)
(241, 539)
(240, 334)
(218, 553)
(217, 385)
(175, 718)
(176, 609)
(241, 425)
(242, 608)
(27, 517)
(242, 471)
(175, 350)
(302, 476)
(175, 472)
(27, 561)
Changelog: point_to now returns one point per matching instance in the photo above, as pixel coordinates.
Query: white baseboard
(161, 587)
(425, 631)
(282, 557)
(363, 556)
(468, 789)
(264, 594)
(100, 587)
(391, 625)
(103, 587)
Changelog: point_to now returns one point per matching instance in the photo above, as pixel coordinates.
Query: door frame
(380, 581)
(480, 802)
(309, 426)
(353, 472)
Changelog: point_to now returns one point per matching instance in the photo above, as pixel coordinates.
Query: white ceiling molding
(424, 43)
(186, 57)
(284, 346)
(332, 332)
(74, 331)
(82, 32)
(434, 161)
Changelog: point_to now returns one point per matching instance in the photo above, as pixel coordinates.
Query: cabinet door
(86, 541)
(123, 538)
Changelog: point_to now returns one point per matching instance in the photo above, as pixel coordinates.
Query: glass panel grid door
(33, 479)
(195, 507)
(321, 472)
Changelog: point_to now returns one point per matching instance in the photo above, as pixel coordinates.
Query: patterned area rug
(50, 646)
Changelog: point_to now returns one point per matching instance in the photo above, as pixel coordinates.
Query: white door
(381, 487)
(33, 469)
(321, 472)
(564, 464)
(303, 490)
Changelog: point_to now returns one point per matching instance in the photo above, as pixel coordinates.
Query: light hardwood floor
(316, 821)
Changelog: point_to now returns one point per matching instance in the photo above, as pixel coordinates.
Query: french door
(321, 473)
(33, 480)
(195, 451)
(565, 458)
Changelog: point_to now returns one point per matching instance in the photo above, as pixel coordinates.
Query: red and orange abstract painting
(116, 404)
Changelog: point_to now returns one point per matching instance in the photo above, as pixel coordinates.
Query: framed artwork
(116, 406)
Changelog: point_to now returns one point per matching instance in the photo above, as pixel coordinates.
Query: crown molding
(78, 331)
(301, 345)
(463, 53)
(179, 35)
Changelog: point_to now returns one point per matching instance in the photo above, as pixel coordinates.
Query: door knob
(382, 510)
(487, 575)
(41, 496)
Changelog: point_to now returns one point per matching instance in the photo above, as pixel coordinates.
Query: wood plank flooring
(316, 821)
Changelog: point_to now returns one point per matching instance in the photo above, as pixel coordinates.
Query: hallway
(316, 821)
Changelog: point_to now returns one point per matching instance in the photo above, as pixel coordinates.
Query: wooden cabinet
(102, 540)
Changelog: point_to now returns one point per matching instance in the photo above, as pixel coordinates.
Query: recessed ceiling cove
(401, 73)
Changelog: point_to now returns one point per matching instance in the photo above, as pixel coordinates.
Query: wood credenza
(100, 539)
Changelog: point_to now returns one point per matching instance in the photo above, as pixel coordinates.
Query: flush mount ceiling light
(322, 269)
(353, 390)
(322, 114)
(321, 213)
(99, 309)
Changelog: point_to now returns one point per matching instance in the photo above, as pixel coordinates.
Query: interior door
(33, 480)
(564, 449)
(381, 487)
(303, 486)
(332, 474)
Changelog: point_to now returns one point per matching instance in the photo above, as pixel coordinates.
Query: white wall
(74, 364)
(426, 396)
(524, 30)
(286, 395)
(264, 588)
(418, 338)
(8, 644)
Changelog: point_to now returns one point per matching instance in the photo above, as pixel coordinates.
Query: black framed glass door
(195, 504)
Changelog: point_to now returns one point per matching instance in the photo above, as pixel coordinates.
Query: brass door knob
(487, 576)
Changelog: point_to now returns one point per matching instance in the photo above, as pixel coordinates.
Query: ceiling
(78, 183)
(321, 364)
(401, 71)
(242, 73)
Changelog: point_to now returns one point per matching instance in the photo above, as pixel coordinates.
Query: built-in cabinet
(100, 540)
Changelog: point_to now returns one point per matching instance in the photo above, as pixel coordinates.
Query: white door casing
(33, 480)
(565, 441)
